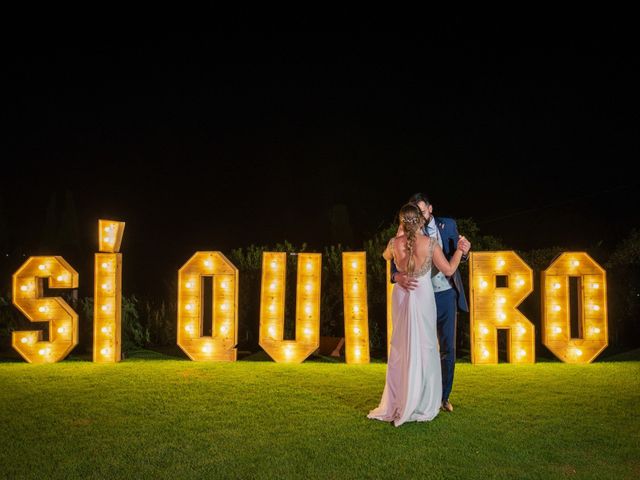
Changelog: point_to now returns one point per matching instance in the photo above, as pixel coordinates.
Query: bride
(413, 388)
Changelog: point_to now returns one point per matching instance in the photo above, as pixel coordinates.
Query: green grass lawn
(161, 417)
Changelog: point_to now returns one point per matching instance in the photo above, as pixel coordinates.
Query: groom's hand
(464, 245)
(405, 281)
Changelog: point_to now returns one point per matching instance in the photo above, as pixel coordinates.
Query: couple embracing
(427, 292)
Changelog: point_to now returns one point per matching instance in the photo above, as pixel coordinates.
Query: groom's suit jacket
(449, 234)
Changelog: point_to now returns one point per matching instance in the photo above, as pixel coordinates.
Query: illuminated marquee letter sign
(389, 308)
(272, 298)
(63, 321)
(356, 318)
(500, 281)
(107, 291)
(592, 308)
(221, 345)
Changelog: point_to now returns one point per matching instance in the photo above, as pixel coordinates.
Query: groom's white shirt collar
(431, 226)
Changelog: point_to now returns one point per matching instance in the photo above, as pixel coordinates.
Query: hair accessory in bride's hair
(411, 221)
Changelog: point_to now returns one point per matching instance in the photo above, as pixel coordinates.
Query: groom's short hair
(419, 197)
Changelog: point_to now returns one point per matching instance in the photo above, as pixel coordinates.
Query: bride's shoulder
(424, 241)
(399, 238)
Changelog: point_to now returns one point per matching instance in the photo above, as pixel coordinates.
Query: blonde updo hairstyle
(411, 220)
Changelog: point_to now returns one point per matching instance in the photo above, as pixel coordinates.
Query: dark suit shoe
(446, 406)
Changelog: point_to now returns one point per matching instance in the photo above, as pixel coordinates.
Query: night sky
(213, 142)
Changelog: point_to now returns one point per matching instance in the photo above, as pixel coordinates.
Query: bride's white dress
(413, 388)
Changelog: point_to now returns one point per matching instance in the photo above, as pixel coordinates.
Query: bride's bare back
(420, 254)
(400, 253)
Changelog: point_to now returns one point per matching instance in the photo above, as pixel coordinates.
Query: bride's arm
(440, 261)
(388, 253)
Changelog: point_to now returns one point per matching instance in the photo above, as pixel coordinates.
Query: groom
(449, 292)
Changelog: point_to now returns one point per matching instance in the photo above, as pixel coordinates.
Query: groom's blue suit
(446, 303)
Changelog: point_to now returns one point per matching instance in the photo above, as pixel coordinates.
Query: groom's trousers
(446, 306)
